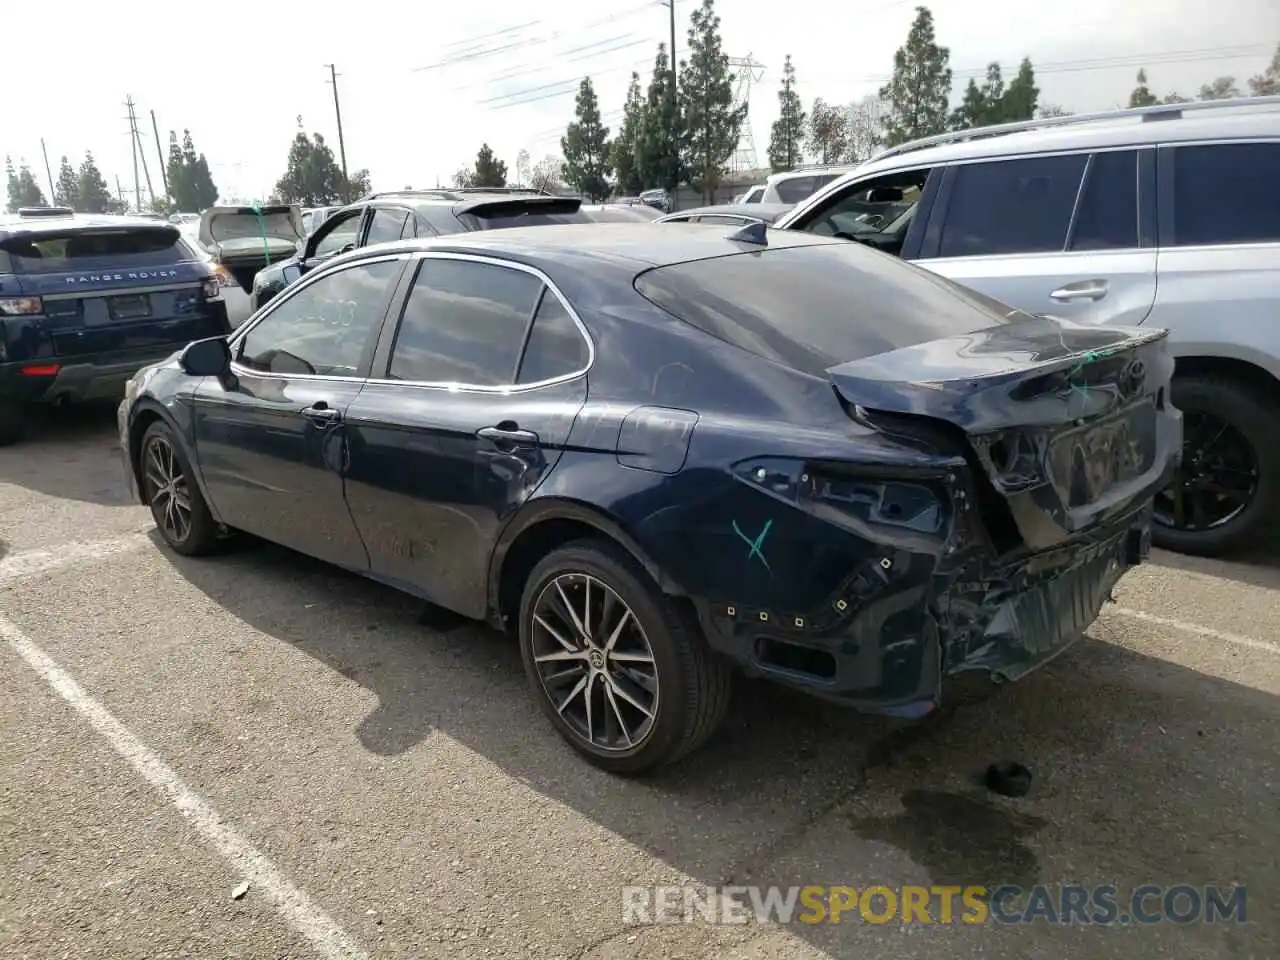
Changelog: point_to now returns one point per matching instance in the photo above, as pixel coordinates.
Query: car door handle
(508, 436)
(322, 413)
(1084, 290)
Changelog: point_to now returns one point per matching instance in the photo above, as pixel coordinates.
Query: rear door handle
(322, 413)
(1084, 290)
(508, 436)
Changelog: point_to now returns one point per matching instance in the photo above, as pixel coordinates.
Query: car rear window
(812, 307)
(89, 249)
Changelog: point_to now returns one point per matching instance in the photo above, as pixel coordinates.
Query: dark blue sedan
(660, 455)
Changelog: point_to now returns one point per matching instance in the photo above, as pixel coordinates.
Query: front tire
(170, 489)
(1226, 496)
(621, 670)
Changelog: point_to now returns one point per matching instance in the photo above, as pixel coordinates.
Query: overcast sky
(239, 74)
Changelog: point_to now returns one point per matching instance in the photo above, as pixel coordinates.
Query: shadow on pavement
(69, 453)
(1260, 568)
(1145, 771)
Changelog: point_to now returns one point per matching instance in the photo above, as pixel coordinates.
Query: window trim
(384, 364)
(237, 341)
(374, 210)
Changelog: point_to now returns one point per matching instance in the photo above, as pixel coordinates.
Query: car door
(1069, 234)
(338, 234)
(270, 439)
(468, 408)
(385, 224)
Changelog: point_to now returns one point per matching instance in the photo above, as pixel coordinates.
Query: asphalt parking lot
(173, 728)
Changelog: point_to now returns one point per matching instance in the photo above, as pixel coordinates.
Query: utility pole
(140, 152)
(342, 149)
(48, 172)
(164, 174)
(671, 175)
(133, 142)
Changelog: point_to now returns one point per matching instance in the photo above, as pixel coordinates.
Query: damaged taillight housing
(849, 494)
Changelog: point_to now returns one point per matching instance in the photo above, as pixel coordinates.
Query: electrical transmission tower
(747, 71)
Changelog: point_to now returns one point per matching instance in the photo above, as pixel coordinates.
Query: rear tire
(12, 423)
(1246, 421)
(169, 487)
(664, 694)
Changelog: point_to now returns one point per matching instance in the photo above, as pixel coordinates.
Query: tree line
(84, 189)
(314, 178)
(689, 138)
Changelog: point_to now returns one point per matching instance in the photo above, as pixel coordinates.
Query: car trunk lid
(1066, 425)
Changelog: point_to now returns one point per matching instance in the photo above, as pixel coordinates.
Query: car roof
(761, 211)
(1173, 123)
(635, 245)
(838, 169)
(15, 226)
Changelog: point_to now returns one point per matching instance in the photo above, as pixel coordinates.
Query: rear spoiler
(512, 207)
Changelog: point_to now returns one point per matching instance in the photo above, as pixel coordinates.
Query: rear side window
(812, 307)
(464, 322)
(1226, 193)
(556, 347)
(1108, 214)
(101, 249)
(387, 224)
(1011, 206)
(795, 189)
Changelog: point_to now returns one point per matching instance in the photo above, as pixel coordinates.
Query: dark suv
(85, 301)
(408, 214)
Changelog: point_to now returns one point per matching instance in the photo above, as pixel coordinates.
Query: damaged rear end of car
(970, 487)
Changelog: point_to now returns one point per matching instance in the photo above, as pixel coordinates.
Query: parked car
(86, 300)
(233, 295)
(312, 217)
(657, 198)
(658, 454)
(729, 213)
(243, 240)
(753, 195)
(1161, 217)
(792, 186)
(405, 214)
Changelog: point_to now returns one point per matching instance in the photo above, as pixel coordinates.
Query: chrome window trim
(459, 387)
(237, 341)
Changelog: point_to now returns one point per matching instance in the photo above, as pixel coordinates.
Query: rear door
(127, 291)
(1070, 235)
(468, 409)
(271, 441)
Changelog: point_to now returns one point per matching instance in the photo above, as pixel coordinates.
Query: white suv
(1168, 216)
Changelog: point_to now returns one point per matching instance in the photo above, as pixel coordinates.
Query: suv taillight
(212, 287)
(20, 306)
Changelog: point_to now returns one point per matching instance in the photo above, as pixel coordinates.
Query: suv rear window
(812, 307)
(795, 189)
(89, 249)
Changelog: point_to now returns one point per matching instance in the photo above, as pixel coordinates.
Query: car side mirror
(206, 358)
(291, 272)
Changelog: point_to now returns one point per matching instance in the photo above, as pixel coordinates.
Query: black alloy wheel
(1224, 497)
(623, 673)
(177, 506)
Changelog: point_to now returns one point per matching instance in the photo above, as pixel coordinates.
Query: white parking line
(1207, 632)
(30, 563)
(329, 939)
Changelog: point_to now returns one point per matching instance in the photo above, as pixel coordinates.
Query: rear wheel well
(1257, 380)
(137, 430)
(530, 546)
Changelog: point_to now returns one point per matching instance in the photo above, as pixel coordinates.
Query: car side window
(1011, 206)
(1225, 193)
(386, 224)
(340, 234)
(409, 230)
(1107, 218)
(463, 322)
(879, 205)
(556, 346)
(326, 326)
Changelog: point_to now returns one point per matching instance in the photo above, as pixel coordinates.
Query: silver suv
(1164, 215)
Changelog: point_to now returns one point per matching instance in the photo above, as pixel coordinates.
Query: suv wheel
(179, 510)
(1227, 493)
(12, 425)
(623, 673)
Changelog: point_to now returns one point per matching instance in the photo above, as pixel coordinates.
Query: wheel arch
(543, 526)
(146, 412)
(1256, 377)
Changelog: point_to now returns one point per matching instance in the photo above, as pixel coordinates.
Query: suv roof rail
(453, 193)
(36, 212)
(1159, 112)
